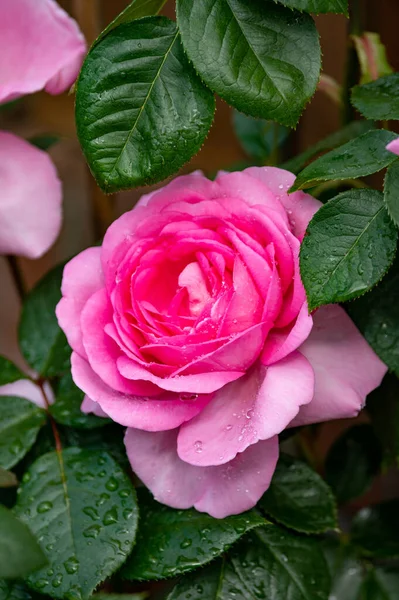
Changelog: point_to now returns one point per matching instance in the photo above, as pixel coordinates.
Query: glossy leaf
(9, 372)
(171, 542)
(66, 409)
(269, 563)
(353, 461)
(141, 110)
(135, 10)
(360, 157)
(391, 191)
(84, 508)
(102, 439)
(376, 314)
(262, 58)
(318, 6)
(342, 136)
(12, 590)
(7, 479)
(259, 138)
(378, 99)
(375, 530)
(20, 421)
(42, 342)
(381, 584)
(20, 554)
(299, 498)
(349, 246)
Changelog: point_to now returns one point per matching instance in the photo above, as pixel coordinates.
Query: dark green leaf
(353, 461)
(20, 421)
(44, 142)
(383, 407)
(142, 596)
(9, 372)
(135, 10)
(171, 542)
(349, 246)
(376, 314)
(104, 439)
(375, 530)
(378, 100)
(262, 58)
(342, 136)
(391, 191)
(345, 568)
(299, 498)
(7, 479)
(318, 6)
(268, 564)
(258, 137)
(359, 157)
(42, 342)
(84, 508)
(381, 584)
(141, 110)
(66, 409)
(11, 590)
(20, 554)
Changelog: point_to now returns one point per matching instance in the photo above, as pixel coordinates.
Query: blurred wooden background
(84, 204)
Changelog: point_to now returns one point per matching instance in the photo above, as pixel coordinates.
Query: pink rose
(43, 46)
(190, 327)
(394, 146)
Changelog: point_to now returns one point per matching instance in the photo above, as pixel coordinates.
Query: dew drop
(44, 507)
(198, 446)
(112, 484)
(188, 397)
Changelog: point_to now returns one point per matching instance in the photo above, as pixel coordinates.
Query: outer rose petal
(281, 342)
(43, 45)
(346, 368)
(89, 406)
(256, 407)
(300, 206)
(394, 146)
(220, 491)
(25, 388)
(30, 197)
(82, 277)
(151, 414)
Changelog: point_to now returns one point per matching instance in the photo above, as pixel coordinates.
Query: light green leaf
(359, 157)
(349, 246)
(20, 421)
(378, 100)
(141, 110)
(20, 554)
(84, 509)
(262, 58)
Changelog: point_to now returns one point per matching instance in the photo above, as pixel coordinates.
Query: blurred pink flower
(41, 47)
(30, 198)
(394, 146)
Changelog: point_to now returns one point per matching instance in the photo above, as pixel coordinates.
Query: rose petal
(30, 200)
(346, 368)
(220, 491)
(281, 342)
(88, 406)
(25, 388)
(256, 407)
(43, 45)
(394, 146)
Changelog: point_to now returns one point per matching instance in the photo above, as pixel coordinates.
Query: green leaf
(318, 6)
(135, 10)
(84, 508)
(378, 99)
(269, 563)
(299, 498)
(353, 461)
(20, 554)
(12, 590)
(66, 409)
(381, 584)
(102, 439)
(359, 157)
(7, 479)
(20, 421)
(375, 530)
(372, 56)
(171, 542)
(383, 407)
(349, 246)
(141, 110)
(9, 372)
(142, 596)
(262, 58)
(42, 342)
(345, 568)
(391, 191)
(376, 314)
(342, 136)
(259, 138)
(44, 142)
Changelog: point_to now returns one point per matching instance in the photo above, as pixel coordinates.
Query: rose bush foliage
(190, 327)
